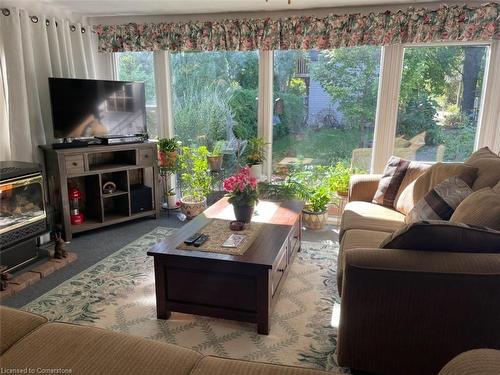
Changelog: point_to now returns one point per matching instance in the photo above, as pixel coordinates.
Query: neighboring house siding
(320, 105)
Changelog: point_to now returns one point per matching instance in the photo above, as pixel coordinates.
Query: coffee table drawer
(280, 268)
(209, 288)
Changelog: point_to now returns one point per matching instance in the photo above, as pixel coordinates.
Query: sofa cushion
(480, 208)
(356, 239)
(437, 235)
(441, 201)
(88, 350)
(15, 324)
(223, 366)
(434, 175)
(488, 164)
(370, 216)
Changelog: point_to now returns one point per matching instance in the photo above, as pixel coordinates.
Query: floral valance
(448, 23)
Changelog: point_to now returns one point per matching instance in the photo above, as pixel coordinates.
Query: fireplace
(22, 212)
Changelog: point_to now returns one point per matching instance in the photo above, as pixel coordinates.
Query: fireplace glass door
(21, 202)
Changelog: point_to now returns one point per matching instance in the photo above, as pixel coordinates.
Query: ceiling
(93, 8)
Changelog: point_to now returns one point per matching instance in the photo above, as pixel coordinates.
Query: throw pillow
(437, 173)
(480, 208)
(488, 164)
(444, 236)
(390, 182)
(441, 201)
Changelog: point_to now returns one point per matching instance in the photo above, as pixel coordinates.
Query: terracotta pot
(192, 208)
(342, 194)
(256, 171)
(215, 162)
(314, 220)
(243, 213)
(166, 159)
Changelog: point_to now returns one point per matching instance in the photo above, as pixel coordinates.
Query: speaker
(141, 198)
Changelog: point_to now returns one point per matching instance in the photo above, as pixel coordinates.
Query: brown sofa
(29, 343)
(408, 311)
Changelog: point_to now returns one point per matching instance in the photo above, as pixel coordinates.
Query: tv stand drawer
(146, 157)
(74, 164)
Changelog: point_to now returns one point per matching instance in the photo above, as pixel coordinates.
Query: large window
(324, 106)
(439, 102)
(215, 99)
(139, 66)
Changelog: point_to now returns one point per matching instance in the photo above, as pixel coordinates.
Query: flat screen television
(84, 108)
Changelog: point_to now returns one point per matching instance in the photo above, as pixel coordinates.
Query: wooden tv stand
(89, 168)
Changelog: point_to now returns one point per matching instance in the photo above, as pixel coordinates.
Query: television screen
(87, 108)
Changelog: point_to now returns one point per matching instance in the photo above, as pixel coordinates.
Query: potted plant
(215, 156)
(339, 179)
(172, 199)
(255, 156)
(243, 194)
(167, 152)
(195, 181)
(315, 214)
(312, 184)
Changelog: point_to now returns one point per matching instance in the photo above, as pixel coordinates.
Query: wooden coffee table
(242, 288)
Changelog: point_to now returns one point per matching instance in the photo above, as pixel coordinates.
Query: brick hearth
(32, 275)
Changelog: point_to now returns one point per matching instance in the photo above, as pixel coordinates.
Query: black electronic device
(73, 144)
(192, 239)
(201, 240)
(87, 108)
(141, 198)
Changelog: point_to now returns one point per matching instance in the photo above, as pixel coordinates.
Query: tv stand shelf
(132, 167)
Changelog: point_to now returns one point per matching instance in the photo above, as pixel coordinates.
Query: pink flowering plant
(242, 188)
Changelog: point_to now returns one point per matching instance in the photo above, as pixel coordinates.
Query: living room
(250, 187)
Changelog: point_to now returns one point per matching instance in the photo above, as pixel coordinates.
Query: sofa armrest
(474, 362)
(362, 187)
(423, 308)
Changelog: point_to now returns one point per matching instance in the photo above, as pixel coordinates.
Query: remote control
(201, 240)
(192, 239)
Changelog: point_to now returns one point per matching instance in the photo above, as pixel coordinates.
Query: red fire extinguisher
(76, 216)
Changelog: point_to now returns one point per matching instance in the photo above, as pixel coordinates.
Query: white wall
(116, 20)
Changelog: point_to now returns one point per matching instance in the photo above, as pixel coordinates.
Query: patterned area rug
(118, 294)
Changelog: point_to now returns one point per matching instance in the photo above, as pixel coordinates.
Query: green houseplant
(215, 156)
(339, 179)
(255, 156)
(195, 181)
(167, 153)
(312, 184)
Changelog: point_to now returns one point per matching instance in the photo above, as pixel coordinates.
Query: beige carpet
(118, 293)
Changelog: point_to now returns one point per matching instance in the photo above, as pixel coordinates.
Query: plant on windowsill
(195, 181)
(255, 156)
(215, 156)
(167, 153)
(243, 194)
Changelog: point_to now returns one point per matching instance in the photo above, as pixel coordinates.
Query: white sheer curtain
(33, 48)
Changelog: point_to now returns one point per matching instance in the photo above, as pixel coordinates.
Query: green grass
(326, 146)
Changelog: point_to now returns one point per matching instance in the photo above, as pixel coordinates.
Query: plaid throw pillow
(441, 201)
(391, 180)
